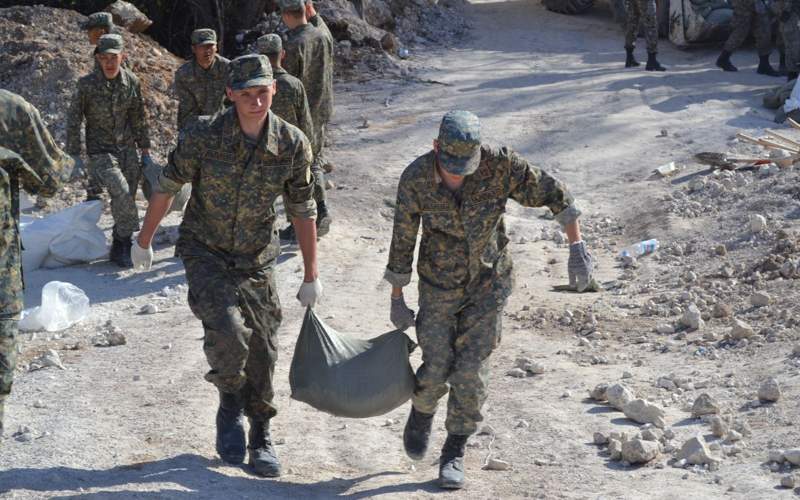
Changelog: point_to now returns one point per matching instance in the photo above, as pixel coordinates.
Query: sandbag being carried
(347, 376)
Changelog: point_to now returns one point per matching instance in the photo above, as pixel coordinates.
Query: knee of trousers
(8, 356)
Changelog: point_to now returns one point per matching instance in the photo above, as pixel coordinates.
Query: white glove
(310, 293)
(142, 257)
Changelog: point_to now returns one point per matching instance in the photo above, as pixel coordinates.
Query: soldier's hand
(580, 267)
(310, 293)
(142, 257)
(401, 315)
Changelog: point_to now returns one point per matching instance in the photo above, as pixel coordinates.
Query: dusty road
(137, 421)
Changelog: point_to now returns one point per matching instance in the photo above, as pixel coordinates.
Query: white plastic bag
(63, 305)
(68, 237)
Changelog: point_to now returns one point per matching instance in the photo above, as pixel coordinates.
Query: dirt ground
(136, 421)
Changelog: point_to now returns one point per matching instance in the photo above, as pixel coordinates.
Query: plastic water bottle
(639, 249)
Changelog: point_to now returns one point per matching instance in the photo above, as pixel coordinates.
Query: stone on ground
(645, 412)
(639, 451)
(618, 396)
(695, 451)
(770, 391)
(704, 405)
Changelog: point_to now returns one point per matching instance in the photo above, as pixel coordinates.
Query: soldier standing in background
(790, 31)
(200, 83)
(316, 20)
(458, 192)
(749, 15)
(637, 11)
(110, 101)
(239, 162)
(31, 160)
(309, 57)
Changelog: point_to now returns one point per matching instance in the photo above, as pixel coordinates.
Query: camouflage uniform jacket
(291, 104)
(319, 23)
(309, 57)
(464, 242)
(114, 114)
(29, 159)
(231, 212)
(200, 91)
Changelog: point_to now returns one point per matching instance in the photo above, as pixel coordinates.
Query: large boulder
(125, 14)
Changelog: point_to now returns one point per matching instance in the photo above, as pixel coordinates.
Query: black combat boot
(263, 458)
(724, 62)
(653, 64)
(791, 75)
(417, 434)
(630, 61)
(230, 429)
(324, 219)
(451, 463)
(765, 68)
(287, 235)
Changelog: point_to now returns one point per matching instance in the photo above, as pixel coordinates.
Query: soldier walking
(31, 160)
(790, 31)
(316, 20)
(200, 83)
(110, 102)
(749, 15)
(309, 57)
(458, 192)
(637, 11)
(239, 161)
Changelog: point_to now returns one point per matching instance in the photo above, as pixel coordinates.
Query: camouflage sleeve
(298, 192)
(407, 214)
(75, 121)
(141, 128)
(533, 187)
(304, 120)
(293, 62)
(183, 162)
(187, 107)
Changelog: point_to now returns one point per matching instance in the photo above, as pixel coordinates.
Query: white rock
(775, 456)
(517, 373)
(149, 309)
(788, 269)
(760, 299)
(645, 412)
(757, 223)
(770, 390)
(692, 318)
(733, 437)
(704, 405)
(695, 451)
(487, 430)
(718, 426)
(666, 383)
(46, 360)
(792, 456)
(638, 451)
(496, 464)
(788, 481)
(741, 330)
(618, 396)
(653, 434)
(599, 438)
(665, 329)
(599, 392)
(615, 449)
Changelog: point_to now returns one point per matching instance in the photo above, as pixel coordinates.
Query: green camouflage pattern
(319, 23)
(269, 45)
(110, 44)
(457, 332)
(241, 312)
(204, 36)
(790, 34)
(113, 111)
(291, 4)
(234, 187)
(641, 11)
(120, 175)
(459, 142)
(251, 70)
(8, 360)
(98, 20)
(745, 18)
(463, 234)
(291, 104)
(200, 91)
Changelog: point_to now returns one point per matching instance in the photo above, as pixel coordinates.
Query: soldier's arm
(293, 62)
(48, 167)
(407, 213)
(298, 195)
(140, 125)
(75, 122)
(304, 120)
(187, 107)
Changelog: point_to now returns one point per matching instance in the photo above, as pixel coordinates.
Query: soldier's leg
(791, 40)
(632, 17)
(436, 323)
(8, 360)
(324, 218)
(648, 8)
(742, 21)
(762, 31)
(123, 208)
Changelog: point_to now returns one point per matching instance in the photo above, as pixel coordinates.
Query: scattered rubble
(644, 412)
(638, 451)
(705, 405)
(47, 360)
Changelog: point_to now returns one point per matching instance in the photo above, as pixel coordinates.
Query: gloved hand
(580, 267)
(142, 257)
(79, 170)
(402, 317)
(310, 293)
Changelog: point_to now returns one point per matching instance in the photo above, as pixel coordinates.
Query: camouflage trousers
(456, 333)
(745, 18)
(241, 312)
(319, 161)
(8, 359)
(635, 12)
(790, 33)
(120, 175)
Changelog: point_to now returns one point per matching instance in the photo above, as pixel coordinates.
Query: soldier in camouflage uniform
(239, 161)
(110, 101)
(316, 20)
(458, 191)
(790, 33)
(636, 11)
(309, 57)
(749, 15)
(29, 159)
(200, 83)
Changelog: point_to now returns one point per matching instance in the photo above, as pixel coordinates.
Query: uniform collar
(279, 71)
(101, 77)
(268, 141)
(300, 29)
(211, 68)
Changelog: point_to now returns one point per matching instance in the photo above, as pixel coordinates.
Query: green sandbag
(350, 377)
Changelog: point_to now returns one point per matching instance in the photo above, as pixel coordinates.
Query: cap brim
(108, 51)
(460, 165)
(255, 82)
(206, 42)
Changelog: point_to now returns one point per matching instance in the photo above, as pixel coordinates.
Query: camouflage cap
(291, 4)
(204, 36)
(270, 44)
(110, 44)
(99, 20)
(460, 142)
(252, 70)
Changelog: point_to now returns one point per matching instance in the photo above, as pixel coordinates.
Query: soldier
(239, 161)
(790, 32)
(30, 159)
(644, 10)
(200, 83)
(459, 192)
(747, 15)
(309, 57)
(110, 100)
(316, 20)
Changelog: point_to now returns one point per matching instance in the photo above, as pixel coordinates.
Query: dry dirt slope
(136, 421)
